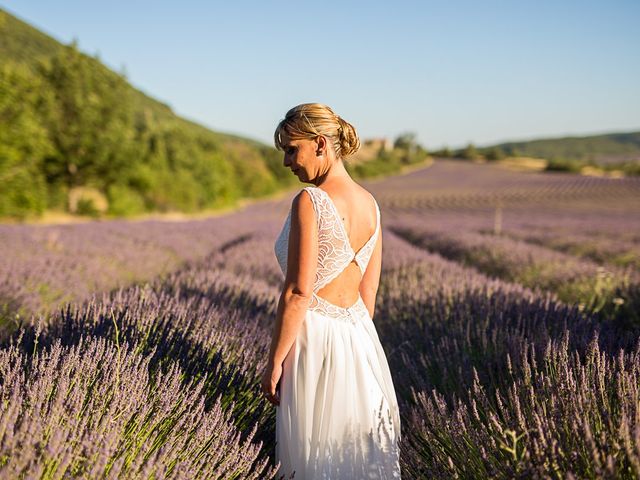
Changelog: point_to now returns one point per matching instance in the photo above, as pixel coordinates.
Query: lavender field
(508, 309)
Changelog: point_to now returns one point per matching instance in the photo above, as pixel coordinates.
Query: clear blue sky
(452, 72)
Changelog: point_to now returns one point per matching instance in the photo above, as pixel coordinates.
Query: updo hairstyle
(310, 120)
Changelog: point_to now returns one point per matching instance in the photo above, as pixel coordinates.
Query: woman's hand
(269, 382)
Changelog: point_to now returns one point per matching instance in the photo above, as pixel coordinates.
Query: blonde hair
(311, 120)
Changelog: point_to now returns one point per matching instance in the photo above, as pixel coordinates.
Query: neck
(336, 172)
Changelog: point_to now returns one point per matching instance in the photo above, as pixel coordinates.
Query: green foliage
(87, 207)
(23, 142)
(250, 173)
(596, 149)
(470, 152)
(124, 201)
(410, 150)
(564, 165)
(90, 121)
(630, 168)
(406, 151)
(21, 42)
(405, 141)
(274, 163)
(444, 152)
(575, 166)
(385, 163)
(494, 153)
(68, 122)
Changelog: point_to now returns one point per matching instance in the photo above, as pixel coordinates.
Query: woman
(337, 415)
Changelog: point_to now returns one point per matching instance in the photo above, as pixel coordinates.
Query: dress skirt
(338, 416)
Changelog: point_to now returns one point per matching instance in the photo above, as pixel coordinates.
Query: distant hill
(601, 149)
(76, 135)
(615, 153)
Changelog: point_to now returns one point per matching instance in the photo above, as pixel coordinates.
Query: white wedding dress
(338, 416)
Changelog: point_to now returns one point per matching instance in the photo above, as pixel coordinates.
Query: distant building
(377, 143)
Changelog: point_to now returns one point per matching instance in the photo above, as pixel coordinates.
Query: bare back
(349, 248)
(356, 212)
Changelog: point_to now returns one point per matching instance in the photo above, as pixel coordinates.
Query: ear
(322, 144)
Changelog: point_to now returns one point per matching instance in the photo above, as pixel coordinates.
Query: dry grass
(523, 164)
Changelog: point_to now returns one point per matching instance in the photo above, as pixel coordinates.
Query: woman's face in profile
(301, 157)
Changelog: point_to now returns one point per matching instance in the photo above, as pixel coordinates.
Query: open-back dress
(338, 416)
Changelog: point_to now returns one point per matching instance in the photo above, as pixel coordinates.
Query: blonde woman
(337, 414)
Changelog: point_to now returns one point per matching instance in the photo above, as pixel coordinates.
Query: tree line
(69, 125)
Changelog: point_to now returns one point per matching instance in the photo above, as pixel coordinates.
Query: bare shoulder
(367, 193)
(350, 193)
(363, 196)
(302, 207)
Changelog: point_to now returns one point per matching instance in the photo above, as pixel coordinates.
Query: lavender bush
(93, 411)
(613, 291)
(566, 416)
(496, 376)
(43, 267)
(623, 250)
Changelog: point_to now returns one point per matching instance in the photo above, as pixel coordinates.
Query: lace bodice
(334, 250)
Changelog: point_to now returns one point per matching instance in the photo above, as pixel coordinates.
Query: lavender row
(445, 327)
(450, 184)
(598, 221)
(568, 416)
(604, 233)
(612, 291)
(43, 267)
(92, 410)
(497, 381)
(602, 248)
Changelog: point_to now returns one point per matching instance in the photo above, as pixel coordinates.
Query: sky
(452, 72)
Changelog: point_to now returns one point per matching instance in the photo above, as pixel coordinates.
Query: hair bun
(349, 141)
(310, 120)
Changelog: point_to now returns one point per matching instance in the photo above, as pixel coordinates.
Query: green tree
(470, 152)
(444, 152)
(90, 122)
(405, 141)
(495, 153)
(23, 142)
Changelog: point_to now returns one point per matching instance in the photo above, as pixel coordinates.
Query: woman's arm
(371, 278)
(302, 260)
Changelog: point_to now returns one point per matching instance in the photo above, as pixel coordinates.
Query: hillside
(613, 153)
(76, 136)
(601, 149)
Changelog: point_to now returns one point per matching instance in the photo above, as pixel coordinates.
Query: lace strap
(364, 255)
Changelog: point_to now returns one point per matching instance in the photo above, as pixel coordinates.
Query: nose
(286, 161)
